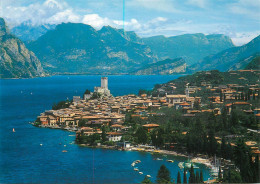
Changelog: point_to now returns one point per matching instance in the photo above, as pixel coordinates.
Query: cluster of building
(89, 114)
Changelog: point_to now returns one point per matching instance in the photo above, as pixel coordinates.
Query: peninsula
(202, 115)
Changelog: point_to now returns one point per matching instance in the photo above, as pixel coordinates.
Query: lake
(24, 160)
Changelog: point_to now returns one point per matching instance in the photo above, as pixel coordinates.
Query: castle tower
(104, 82)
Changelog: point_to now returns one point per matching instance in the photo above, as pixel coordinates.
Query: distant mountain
(231, 59)
(27, 32)
(165, 67)
(79, 48)
(254, 64)
(191, 47)
(16, 61)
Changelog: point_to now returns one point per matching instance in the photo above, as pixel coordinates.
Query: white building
(103, 90)
(114, 136)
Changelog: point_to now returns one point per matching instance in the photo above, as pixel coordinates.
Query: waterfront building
(114, 136)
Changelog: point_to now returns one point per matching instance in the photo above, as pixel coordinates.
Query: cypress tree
(146, 180)
(179, 178)
(197, 177)
(248, 95)
(256, 167)
(184, 176)
(192, 175)
(201, 176)
(219, 173)
(163, 175)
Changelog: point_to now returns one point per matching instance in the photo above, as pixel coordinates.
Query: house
(76, 98)
(175, 98)
(114, 136)
(116, 127)
(124, 144)
(150, 127)
(43, 120)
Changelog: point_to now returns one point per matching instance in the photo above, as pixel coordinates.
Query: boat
(149, 176)
(133, 164)
(141, 173)
(159, 159)
(137, 161)
(13, 130)
(188, 165)
(180, 164)
(40, 144)
(136, 169)
(64, 151)
(170, 161)
(65, 145)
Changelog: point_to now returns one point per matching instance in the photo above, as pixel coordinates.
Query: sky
(238, 19)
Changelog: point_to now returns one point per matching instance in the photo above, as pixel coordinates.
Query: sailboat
(13, 130)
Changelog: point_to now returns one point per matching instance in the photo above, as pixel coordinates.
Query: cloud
(158, 5)
(50, 11)
(95, 20)
(197, 3)
(242, 38)
(248, 8)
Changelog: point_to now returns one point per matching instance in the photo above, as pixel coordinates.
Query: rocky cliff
(16, 61)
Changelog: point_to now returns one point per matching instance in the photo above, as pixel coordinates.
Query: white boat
(159, 159)
(13, 130)
(137, 161)
(180, 164)
(149, 176)
(136, 169)
(141, 173)
(170, 161)
(40, 144)
(188, 165)
(133, 164)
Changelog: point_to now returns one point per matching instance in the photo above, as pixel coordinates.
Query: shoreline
(199, 159)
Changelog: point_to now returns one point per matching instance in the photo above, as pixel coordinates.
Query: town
(202, 114)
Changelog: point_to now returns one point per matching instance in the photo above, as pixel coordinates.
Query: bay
(24, 160)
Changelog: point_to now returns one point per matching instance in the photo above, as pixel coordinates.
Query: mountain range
(234, 58)
(165, 67)
(79, 48)
(26, 31)
(16, 61)
(76, 48)
(191, 47)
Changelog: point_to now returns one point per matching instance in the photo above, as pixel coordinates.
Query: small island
(207, 116)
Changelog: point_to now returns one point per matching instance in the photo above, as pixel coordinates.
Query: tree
(179, 178)
(232, 177)
(146, 180)
(234, 118)
(197, 177)
(163, 175)
(201, 176)
(184, 176)
(87, 91)
(219, 174)
(103, 135)
(192, 178)
(141, 135)
(81, 123)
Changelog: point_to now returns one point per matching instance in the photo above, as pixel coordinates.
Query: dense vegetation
(61, 105)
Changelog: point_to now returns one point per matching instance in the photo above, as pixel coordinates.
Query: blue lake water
(23, 160)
